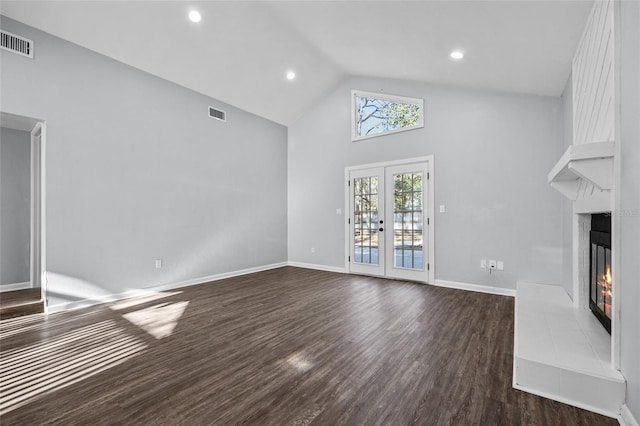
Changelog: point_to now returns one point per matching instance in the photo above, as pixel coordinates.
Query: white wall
(137, 171)
(15, 205)
(629, 214)
(492, 155)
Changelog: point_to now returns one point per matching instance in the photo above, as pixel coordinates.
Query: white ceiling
(239, 53)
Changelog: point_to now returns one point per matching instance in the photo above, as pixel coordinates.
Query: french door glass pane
(407, 221)
(365, 238)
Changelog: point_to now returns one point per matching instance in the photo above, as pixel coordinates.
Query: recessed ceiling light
(195, 16)
(291, 75)
(457, 54)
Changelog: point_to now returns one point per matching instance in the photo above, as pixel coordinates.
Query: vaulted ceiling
(241, 51)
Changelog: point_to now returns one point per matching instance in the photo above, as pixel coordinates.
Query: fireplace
(600, 268)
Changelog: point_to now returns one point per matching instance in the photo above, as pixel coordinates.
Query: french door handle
(381, 229)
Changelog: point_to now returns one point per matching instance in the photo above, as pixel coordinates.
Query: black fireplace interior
(600, 281)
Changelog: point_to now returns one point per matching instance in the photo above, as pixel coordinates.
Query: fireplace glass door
(600, 282)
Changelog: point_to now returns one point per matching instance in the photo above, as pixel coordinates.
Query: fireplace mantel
(590, 164)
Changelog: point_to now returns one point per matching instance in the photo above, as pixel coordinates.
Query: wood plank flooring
(20, 302)
(288, 346)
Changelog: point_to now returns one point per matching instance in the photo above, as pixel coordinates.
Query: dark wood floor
(20, 302)
(286, 347)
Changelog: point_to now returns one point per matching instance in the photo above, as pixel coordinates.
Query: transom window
(376, 114)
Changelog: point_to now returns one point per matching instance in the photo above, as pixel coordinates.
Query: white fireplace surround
(561, 351)
(585, 175)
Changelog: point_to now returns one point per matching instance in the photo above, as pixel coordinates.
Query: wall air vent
(218, 114)
(16, 44)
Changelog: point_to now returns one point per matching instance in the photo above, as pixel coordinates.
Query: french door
(389, 221)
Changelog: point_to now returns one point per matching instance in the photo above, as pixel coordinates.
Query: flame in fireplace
(606, 292)
(606, 283)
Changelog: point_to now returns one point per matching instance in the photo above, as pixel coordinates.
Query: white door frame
(430, 210)
(37, 264)
(37, 130)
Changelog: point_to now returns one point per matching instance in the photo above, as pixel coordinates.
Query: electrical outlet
(500, 265)
(313, 249)
(483, 264)
(442, 208)
(158, 263)
(492, 264)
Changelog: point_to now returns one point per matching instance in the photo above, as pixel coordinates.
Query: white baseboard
(318, 267)
(164, 287)
(476, 287)
(15, 286)
(626, 417)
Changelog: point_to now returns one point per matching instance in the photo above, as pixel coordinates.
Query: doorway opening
(389, 230)
(22, 255)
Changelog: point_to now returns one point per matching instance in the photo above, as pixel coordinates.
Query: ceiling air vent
(218, 114)
(16, 44)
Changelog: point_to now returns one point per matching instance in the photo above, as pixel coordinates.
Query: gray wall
(629, 214)
(492, 154)
(567, 205)
(137, 171)
(15, 205)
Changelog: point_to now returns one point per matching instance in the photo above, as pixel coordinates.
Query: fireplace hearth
(600, 269)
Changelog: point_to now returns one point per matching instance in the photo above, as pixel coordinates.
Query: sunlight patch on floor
(300, 362)
(29, 372)
(135, 301)
(160, 320)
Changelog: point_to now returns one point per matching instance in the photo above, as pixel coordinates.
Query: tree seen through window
(376, 114)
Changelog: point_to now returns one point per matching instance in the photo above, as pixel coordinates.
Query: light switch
(338, 211)
(500, 265)
(441, 208)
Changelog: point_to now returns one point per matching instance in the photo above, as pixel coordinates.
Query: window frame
(383, 96)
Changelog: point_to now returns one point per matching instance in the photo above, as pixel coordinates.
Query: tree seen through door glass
(365, 201)
(407, 221)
